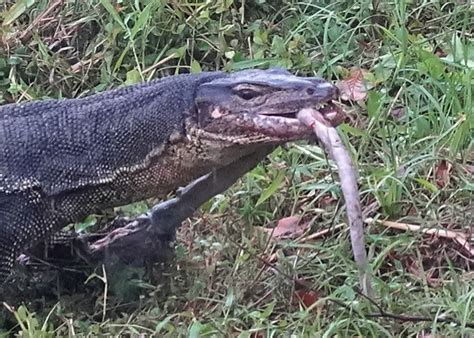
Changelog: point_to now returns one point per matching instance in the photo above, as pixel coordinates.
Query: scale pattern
(61, 160)
(59, 145)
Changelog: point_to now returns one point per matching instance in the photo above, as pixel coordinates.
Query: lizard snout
(322, 89)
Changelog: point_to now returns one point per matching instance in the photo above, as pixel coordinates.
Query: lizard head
(261, 106)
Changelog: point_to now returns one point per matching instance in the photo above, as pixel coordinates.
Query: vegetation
(411, 134)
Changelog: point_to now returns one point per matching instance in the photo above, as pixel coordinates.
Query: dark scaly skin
(62, 160)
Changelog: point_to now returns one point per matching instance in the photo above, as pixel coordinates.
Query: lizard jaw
(287, 126)
(268, 125)
(332, 112)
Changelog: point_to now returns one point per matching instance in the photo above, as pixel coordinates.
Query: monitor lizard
(62, 160)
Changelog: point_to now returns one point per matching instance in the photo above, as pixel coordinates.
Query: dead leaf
(307, 297)
(353, 87)
(287, 227)
(443, 173)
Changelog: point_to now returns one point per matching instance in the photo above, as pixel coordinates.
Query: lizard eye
(247, 94)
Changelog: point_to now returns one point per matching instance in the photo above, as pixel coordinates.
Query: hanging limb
(329, 137)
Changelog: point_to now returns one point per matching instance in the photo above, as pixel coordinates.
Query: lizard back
(59, 145)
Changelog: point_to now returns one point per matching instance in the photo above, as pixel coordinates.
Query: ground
(407, 69)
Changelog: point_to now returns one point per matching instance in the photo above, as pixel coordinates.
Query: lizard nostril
(310, 91)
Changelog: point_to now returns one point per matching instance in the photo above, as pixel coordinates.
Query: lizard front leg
(164, 218)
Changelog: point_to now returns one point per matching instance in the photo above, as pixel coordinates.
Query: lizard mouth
(287, 125)
(332, 112)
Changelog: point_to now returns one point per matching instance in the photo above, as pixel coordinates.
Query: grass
(412, 139)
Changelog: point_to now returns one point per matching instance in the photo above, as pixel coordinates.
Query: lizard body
(62, 160)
